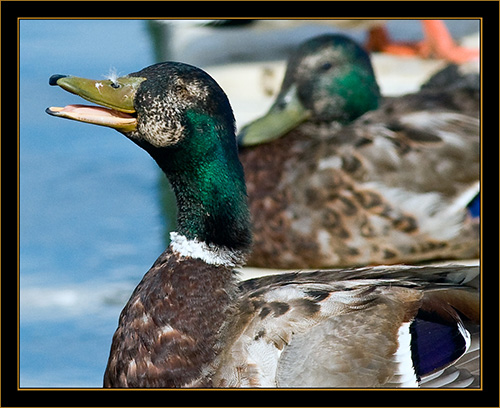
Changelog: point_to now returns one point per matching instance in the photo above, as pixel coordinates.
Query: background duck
(345, 187)
(189, 324)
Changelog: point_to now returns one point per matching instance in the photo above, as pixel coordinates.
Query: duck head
(155, 111)
(328, 79)
(183, 119)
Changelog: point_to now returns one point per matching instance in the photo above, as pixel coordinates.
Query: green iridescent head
(183, 119)
(329, 78)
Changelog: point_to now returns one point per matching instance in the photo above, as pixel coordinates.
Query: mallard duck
(358, 180)
(189, 323)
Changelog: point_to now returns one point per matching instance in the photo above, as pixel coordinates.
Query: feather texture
(389, 186)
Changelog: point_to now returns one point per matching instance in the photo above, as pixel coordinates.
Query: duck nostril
(54, 78)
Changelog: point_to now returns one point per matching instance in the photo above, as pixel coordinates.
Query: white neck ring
(209, 253)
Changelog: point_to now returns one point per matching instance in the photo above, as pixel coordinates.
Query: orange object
(437, 43)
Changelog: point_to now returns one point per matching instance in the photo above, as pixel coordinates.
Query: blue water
(90, 222)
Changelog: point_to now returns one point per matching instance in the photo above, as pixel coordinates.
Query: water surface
(90, 224)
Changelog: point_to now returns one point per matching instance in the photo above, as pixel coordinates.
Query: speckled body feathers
(385, 189)
(167, 332)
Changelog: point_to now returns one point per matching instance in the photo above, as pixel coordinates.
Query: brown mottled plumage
(188, 324)
(390, 187)
(365, 188)
(157, 343)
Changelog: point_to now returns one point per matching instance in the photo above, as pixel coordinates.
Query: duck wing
(356, 328)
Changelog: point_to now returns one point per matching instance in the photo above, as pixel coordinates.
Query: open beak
(116, 100)
(286, 114)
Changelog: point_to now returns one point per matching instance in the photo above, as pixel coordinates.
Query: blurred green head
(329, 78)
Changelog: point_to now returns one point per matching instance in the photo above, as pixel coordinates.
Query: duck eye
(325, 66)
(115, 85)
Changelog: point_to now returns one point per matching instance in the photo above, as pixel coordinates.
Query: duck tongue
(88, 110)
(96, 115)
